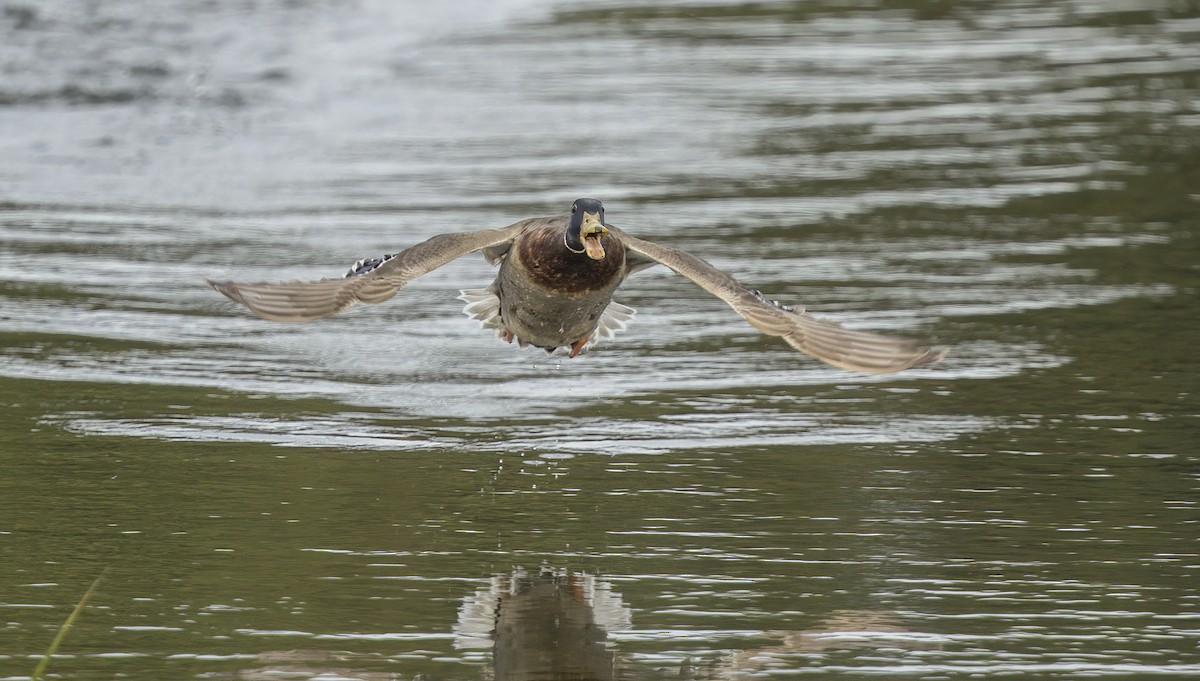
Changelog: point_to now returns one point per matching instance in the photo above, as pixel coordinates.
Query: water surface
(394, 492)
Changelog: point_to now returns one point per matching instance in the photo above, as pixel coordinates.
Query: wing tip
(923, 356)
(236, 292)
(903, 354)
(929, 355)
(228, 289)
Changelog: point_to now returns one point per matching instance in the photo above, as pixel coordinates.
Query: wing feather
(301, 301)
(826, 340)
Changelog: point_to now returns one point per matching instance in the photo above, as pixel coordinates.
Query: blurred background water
(394, 492)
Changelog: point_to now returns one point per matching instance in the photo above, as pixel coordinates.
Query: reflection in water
(546, 624)
(854, 630)
(558, 624)
(316, 665)
(555, 624)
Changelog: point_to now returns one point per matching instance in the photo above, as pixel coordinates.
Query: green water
(397, 493)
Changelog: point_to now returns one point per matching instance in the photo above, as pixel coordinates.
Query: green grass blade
(62, 631)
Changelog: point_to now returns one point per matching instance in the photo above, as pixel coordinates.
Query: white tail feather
(483, 306)
(616, 318)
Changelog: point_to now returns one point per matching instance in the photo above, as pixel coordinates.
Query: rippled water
(394, 492)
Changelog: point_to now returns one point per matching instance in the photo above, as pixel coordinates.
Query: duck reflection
(554, 624)
(544, 624)
(878, 631)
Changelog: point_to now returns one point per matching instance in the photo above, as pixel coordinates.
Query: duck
(555, 285)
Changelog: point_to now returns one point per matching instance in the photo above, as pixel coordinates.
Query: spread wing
(369, 281)
(828, 341)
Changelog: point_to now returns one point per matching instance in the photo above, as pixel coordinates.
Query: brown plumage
(551, 265)
(555, 286)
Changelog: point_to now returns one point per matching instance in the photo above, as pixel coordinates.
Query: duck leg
(508, 336)
(578, 346)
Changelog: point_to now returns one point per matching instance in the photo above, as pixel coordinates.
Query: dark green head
(586, 228)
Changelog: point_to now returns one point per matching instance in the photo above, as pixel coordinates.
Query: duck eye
(574, 209)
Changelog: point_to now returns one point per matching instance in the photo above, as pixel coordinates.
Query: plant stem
(62, 631)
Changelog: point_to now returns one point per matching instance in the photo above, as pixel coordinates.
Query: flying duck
(555, 287)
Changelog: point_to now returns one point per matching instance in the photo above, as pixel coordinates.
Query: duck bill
(591, 231)
(595, 249)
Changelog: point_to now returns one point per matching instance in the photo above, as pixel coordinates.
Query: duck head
(586, 228)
